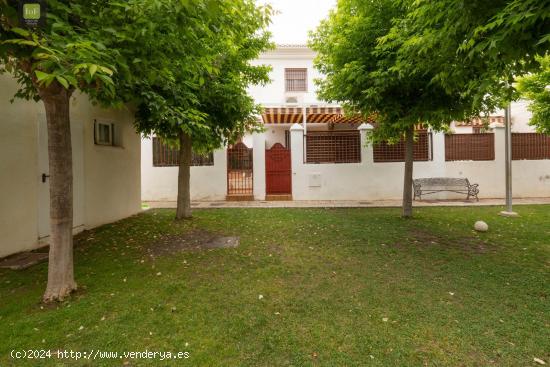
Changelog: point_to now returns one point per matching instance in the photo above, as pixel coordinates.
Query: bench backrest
(441, 182)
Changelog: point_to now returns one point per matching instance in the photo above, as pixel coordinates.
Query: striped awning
(292, 115)
(282, 115)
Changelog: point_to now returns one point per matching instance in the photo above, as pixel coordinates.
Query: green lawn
(340, 287)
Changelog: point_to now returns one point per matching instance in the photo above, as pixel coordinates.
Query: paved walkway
(343, 203)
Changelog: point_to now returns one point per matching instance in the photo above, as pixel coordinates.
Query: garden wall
(365, 180)
(368, 180)
(161, 183)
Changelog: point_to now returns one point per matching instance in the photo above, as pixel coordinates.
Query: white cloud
(296, 18)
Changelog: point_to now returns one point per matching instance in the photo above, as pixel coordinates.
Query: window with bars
(166, 156)
(296, 80)
(333, 147)
(530, 146)
(422, 149)
(470, 147)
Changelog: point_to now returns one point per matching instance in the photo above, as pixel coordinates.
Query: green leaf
(62, 81)
(92, 69)
(544, 39)
(72, 80)
(106, 70)
(40, 75)
(21, 42)
(107, 80)
(20, 31)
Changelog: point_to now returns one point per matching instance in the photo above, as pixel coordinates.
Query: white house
(310, 150)
(106, 171)
(520, 120)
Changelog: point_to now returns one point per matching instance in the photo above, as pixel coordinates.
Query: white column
(297, 157)
(499, 176)
(258, 144)
(366, 146)
(438, 150)
(220, 165)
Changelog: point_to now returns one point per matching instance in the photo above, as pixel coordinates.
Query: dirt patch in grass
(191, 241)
(467, 244)
(275, 249)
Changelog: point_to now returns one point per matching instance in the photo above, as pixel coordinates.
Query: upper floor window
(296, 80)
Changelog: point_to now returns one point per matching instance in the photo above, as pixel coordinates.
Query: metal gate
(239, 170)
(278, 171)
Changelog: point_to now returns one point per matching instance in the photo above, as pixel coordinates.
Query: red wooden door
(278, 170)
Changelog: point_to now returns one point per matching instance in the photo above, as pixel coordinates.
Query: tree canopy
(536, 88)
(477, 48)
(358, 51)
(194, 93)
(198, 85)
(72, 51)
(432, 62)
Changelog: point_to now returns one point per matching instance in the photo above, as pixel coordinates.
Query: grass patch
(339, 286)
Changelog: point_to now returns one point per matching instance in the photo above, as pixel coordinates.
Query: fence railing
(333, 147)
(530, 146)
(422, 150)
(470, 147)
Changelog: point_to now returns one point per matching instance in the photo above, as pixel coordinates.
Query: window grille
(296, 80)
(333, 147)
(470, 147)
(166, 156)
(422, 150)
(530, 146)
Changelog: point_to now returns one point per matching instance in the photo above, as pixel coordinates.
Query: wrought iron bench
(426, 186)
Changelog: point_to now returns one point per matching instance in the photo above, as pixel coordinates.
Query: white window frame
(97, 126)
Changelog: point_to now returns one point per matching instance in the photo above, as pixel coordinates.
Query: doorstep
(278, 197)
(245, 197)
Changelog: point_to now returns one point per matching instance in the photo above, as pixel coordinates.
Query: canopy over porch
(309, 114)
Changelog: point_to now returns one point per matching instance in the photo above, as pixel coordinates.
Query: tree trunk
(408, 179)
(60, 267)
(184, 188)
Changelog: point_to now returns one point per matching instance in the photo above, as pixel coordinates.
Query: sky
(296, 18)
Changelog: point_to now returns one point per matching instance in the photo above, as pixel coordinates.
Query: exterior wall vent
(291, 100)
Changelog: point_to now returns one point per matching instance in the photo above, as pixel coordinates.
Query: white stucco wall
(18, 171)
(381, 181)
(275, 134)
(521, 117)
(279, 59)
(109, 186)
(112, 174)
